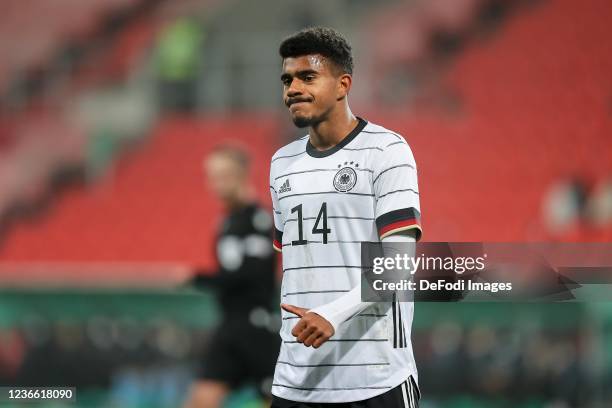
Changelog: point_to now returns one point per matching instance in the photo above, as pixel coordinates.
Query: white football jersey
(326, 203)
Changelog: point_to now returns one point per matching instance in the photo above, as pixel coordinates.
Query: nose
(294, 89)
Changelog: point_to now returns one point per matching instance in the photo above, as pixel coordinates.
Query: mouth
(296, 106)
(296, 102)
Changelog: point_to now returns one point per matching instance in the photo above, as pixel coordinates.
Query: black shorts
(241, 354)
(405, 395)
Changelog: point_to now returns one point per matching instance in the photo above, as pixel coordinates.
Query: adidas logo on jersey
(285, 187)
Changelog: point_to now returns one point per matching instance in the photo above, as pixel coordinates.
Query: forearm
(343, 308)
(350, 304)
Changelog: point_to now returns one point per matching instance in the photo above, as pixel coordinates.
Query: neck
(328, 133)
(243, 198)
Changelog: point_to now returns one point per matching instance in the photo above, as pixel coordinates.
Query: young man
(348, 181)
(244, 347)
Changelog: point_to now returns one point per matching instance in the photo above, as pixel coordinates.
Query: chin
(302, 121)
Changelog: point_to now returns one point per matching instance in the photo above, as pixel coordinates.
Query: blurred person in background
(244, 348)
(177, 64)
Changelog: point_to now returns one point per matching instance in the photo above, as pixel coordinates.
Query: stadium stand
(526, 120)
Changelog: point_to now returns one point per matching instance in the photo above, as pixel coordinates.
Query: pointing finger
(299, 311)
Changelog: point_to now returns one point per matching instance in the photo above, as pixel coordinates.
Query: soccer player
(244, 348)
(348, 181)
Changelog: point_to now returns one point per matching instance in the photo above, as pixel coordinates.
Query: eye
(286, 81)
(309, 78)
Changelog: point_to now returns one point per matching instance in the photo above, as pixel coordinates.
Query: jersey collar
(313, 152)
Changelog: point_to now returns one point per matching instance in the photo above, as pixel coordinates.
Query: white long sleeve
(350, 304)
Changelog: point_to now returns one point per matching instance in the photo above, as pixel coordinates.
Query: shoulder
(391, 148)
(381, 137)
(251, 219)
(260, 219)
(291, 150)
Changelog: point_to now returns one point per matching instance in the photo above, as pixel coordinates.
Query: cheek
(325, 99)
(327, 91)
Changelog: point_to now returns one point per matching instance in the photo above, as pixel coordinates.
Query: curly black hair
(319, 40)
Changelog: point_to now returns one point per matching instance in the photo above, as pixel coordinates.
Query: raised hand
(312, 329)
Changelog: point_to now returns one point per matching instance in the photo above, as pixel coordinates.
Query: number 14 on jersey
(316, 229)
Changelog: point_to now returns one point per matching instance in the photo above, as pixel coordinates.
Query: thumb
(299, 311)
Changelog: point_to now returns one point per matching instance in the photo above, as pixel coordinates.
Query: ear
(344, 86)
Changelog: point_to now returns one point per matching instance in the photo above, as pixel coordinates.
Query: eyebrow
(301, 73)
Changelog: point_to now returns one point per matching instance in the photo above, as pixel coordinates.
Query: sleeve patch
(399, 220)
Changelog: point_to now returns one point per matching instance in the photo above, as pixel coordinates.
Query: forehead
(217, 159)
(314, 62)
(223, 160)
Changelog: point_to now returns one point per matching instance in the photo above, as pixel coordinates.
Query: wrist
(327, 315)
